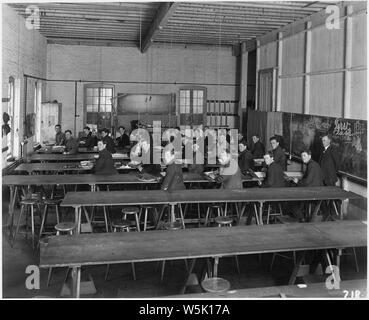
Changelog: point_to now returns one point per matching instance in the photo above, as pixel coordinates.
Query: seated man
(104, 164)
(275, 175)
(71, 144)
(146, 152)
(59, 136)
(230, 172)
(110, 146)
(278, 153)
(174, 177)
(88, 140)
(123, 139)
(258, 149)
(245, 158)
(196, 167)
(313, 177)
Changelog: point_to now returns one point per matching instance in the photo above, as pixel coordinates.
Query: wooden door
(50, 116)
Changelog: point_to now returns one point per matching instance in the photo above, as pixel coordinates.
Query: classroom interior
(295, 71)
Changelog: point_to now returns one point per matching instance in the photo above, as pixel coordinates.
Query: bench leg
(76, 276)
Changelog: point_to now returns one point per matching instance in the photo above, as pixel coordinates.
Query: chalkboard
(146, 104)
(349, 136)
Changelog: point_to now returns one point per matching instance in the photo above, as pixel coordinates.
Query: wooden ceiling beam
(163, 14)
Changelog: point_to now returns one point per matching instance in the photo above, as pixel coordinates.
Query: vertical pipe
(25, 106)
(75, 107)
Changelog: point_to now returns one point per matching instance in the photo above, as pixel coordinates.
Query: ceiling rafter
(163, 14)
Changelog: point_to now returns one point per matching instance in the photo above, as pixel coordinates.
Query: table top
(124, 247)
(78, 179)
(103, 198)
(312, 290)
(72, 157)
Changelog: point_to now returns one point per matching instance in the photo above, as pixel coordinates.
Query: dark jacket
(89, 141)
(59, 139)
(280, 157)
(123, 141)
(174, 178)
(274, 177)
(105, 164)
(313, 176)
(110, 146)
(151, 167)
(329, 162)
(71, 146)
(245, 161)
(231, 180)
(258, 150)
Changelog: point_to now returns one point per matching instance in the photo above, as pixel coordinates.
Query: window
(98, 106)
(192, 102)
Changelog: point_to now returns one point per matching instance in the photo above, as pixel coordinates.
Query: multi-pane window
(98, 102)
(98, 99)
(191, 101)
(184, 101)
(198, 101)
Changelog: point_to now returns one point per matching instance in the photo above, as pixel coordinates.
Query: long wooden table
(62, 167)
(250, 195)
(348, 289)
(113, 248)
(16, 182)
(54, 157)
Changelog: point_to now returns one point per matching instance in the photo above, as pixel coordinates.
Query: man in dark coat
(278, 153)
(123, 139)
(275, 175)
(104, 164)
(59, 136)
(71, 144)
(258, 149)
(329, 162)
(88, 140)
(245, 157)
(313, 177)
(110, 146)
(174, 177)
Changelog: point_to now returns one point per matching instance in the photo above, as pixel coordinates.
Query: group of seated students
(230, 173)
(90, 140)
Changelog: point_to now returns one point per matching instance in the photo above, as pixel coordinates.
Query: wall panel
(327, 48)
(292, 95)
(293, 54)
(326, 94)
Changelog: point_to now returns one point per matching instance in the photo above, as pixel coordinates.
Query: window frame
(192, 106)
(98, 86)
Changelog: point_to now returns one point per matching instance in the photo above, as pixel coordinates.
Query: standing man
(110, 146)
(258, 149)
(329, 161)
(71, 144)
(278, 153)
(59, 136)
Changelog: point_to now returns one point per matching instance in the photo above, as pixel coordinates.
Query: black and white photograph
(209, 151)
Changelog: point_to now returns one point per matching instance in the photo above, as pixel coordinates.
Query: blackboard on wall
(146, 104)
(348, 135)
